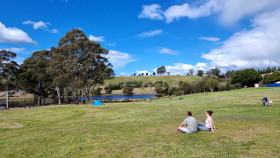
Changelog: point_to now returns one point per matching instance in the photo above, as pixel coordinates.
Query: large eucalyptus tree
(34, 78)
(8, 70)
(78, 64)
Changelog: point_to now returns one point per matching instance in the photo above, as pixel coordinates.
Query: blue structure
(97, 102)
(273, 85)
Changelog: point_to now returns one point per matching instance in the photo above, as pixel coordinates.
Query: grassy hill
(245, 128)
(171, 80)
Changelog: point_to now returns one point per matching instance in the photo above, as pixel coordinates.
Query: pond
(28, 102)
(118, 97)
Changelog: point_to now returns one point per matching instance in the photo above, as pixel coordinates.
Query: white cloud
(167, 51)
(111, 44)
(19, 60)
(185, 10)
(144, 72)
(96, 39)
(40, 25)
(14, 35)
(183, 69)
(37, 25)
(229, 11)
(124, 74)
(54, 31)
(150, 33)
(151, 11)
(213, 39)
(119, 59)
(15, 50)
(254, 48)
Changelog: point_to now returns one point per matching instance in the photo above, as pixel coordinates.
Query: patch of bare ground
(11, 125)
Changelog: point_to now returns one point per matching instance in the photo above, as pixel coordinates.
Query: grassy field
(143, 129)
(172, 80)
(198, 96)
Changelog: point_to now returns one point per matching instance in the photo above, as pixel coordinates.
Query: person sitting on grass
(265, 100)
(209, 126)
(190, 123)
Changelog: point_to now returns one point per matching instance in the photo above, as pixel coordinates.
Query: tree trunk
(58, 94)
(87, 93)
(82, 96)
(67, 95)
(7, 97)
(39, 100)
(44, 101)
(77, 97)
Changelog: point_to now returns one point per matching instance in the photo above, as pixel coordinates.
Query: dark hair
(189, 113)
(209, 112)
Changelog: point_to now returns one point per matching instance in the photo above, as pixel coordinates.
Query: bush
(237, 85)
(221, 88)
(126, 100)
(97, 91)
(127, 90)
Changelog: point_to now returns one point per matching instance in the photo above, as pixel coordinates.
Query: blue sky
(142, 35)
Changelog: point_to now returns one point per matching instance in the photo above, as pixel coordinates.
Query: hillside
(171, 80)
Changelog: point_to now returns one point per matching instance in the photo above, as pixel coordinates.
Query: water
(28, 102)
(118, 97)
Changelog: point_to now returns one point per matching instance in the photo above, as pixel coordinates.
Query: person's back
(191, 124)
(265, 99)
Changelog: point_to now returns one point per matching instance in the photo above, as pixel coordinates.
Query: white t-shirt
(207, 123)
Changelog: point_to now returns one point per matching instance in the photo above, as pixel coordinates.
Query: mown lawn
(143, 129)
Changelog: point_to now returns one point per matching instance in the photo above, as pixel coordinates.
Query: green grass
(198, 96)
(172, 80)
(245, 129)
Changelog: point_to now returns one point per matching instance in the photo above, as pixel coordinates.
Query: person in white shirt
(209, 123)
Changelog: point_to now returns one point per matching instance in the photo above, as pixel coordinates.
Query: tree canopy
(8, 70)
(74, 67)
(246, 77)
(161, 70)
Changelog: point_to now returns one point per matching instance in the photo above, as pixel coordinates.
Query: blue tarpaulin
(273, 85)
(97, 102)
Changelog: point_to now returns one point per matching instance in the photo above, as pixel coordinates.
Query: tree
(8, 70)
(82, 64)
(271, 78)
(127, 90)
(161, 70)
(200, 73)
(215, 72)
(268, 70)
(229, 74)
(185, 88)
(191, 72)
(247, 77)
(34, 78)
(208, 73)
(211, 84)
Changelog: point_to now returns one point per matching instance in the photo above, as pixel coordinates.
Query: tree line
(73, 68)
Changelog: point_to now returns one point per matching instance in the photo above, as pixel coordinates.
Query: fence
(273, 85)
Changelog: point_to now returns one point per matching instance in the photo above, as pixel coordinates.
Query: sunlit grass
(245, 129)
(197, 96)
